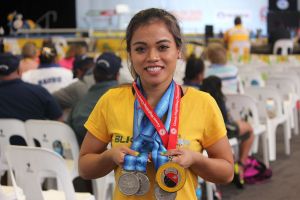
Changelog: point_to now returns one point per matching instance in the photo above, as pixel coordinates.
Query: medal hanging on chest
(170, 176)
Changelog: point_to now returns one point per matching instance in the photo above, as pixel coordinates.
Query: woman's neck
(154, 93)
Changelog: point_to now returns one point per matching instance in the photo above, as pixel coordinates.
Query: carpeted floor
(285, 182)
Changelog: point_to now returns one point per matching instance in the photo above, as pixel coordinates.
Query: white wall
(193, 14)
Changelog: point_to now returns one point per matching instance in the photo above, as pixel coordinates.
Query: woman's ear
(179, 56)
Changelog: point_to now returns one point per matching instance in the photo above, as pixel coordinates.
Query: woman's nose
(153, 55)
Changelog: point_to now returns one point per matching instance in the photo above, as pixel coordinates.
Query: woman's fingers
(173, 152)
(127, 150)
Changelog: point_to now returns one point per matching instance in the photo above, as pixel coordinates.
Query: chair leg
(265, 149)
(296, 130)
(272, 142)
(209, 191)
(287, 133)
(254, 148)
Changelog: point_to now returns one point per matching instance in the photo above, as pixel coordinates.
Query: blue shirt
(21, 100)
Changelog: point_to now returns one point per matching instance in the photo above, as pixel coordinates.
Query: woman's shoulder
(192, 92)
(120, 90)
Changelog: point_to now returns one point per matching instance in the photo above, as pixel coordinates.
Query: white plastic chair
(263, 95)
(9, 128)
(104, 187)
(251, 78)
(287, 90)
(286, 46)
(239, 103)
(47, 132)
(29, 162)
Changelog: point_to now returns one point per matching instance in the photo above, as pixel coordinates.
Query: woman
(122, 116)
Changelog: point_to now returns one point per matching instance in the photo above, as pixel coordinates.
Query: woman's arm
(216, 168)
(95, 160)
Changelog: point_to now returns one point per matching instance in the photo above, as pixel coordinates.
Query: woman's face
(154, 54)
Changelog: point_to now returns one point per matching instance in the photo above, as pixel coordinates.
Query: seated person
(217, 55)
(30, 58)
(194, 72)
(68, 96)
(49, 74)
(21, 100)
(243, 130)
(106, 73)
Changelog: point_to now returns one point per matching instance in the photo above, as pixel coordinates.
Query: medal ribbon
(168, 140)
(145, 139)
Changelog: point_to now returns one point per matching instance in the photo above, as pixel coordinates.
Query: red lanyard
(169, 140)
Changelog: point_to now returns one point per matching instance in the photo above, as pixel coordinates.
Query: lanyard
(168, 140)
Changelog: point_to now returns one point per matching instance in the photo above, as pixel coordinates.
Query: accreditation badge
(170, 177)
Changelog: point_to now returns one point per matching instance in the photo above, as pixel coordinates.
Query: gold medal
(170, 177)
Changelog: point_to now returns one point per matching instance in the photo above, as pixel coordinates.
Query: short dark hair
(213, 85)
(237, 20)
(144, 17)
(194, 67)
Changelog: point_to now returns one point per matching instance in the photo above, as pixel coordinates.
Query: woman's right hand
(118, 154)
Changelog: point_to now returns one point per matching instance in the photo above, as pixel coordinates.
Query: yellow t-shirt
(200, 125)
(236, 34)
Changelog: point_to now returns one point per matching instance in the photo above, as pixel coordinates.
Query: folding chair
(29, 162)
(8, 129)
(56, 136)
(238, 104)
(286, 46)
(263, 95)
(288, 91)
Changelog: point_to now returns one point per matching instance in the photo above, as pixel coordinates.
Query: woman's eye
(140, 49)
(163, 47)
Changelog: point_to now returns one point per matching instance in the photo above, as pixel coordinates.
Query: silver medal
(160, 194)
(144, 184)
(129, 183)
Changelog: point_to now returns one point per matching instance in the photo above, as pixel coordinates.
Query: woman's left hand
(181, 156)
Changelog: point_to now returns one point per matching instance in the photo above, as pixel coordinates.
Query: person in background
(216, 54)
(238, 33)
(30, 58)
(194, 72)
(154, 44)
(49, 74)
(23, 100)
(68, 60)
(48, 56)
(240, 128)
(68, 96)
(106, 73)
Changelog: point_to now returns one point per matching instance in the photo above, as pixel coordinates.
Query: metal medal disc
(144, 183)
(170, 177)
(160, 194)
(129, 183)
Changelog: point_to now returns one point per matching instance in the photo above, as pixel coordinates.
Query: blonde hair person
(157, 129)
(30, 58)
(217, 55)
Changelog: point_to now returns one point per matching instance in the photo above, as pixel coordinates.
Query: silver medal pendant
(160, 194)
(129, 183)
(144, 184)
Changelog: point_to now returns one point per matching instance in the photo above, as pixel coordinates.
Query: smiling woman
(154, 114)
